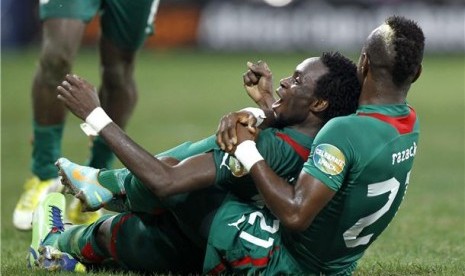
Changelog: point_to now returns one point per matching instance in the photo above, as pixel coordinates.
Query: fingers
(250, 78)
(62, 90)
(65, 91)
(260, 68)
(232, 137)
(63, 96)
(66, 85)
(76, 81)
(251, 122)
(226, 136)
(72, 79)
(223, 132)
(219, 135)
(255, 71)
(244, 133)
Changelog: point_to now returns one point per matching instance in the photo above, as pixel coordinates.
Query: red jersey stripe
(301, 151)
(114, 235)
(217, 269)
(90, 255)
(248, 260)
(255, 262)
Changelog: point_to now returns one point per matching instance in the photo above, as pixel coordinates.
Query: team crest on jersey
(329, 159)
(233, 165)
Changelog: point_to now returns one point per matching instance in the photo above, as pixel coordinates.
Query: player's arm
(81, 99)
(258, 82)
(294, 205)
(162, 179)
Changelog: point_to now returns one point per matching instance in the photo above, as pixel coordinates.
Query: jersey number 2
(390, 186)
(270, 229)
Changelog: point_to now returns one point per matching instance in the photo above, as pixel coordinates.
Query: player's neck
(373, 94)
(308, 128)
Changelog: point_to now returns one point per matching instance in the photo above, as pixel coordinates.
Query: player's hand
(258, 82)
(79, 96)
(244, 133)
(226, 135)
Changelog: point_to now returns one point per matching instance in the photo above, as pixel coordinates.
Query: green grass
(182, 96)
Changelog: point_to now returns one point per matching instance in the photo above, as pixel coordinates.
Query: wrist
(247, 153)
(258, 113)
(95, 122)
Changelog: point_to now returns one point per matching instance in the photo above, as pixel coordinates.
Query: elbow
(162, 192)
(159, 187)
(296, 223)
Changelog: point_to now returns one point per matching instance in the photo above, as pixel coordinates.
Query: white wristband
(247, 153)
(95, 122)
(257, 113)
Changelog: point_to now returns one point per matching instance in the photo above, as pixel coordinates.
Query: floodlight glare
(278, 3)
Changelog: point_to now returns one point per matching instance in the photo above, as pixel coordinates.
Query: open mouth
(278, 102)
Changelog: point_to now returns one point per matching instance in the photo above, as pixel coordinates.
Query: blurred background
(275, 25)
(189, 74)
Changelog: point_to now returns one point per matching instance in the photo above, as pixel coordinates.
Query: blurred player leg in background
(125, 26)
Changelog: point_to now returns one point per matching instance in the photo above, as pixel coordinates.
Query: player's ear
(418, 74)
(319, 105)
(365, 63)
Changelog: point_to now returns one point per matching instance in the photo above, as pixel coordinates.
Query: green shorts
(149, 243)
(245, 239)
(125, 22)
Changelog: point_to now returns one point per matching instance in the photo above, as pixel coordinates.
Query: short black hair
(409, 44)
(339, 86)
(397, 49)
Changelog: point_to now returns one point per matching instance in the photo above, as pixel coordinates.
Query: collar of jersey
(299, 137)
(388, 109)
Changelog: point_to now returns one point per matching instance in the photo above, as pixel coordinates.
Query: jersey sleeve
(332, 153)
(189, 149)
(280, 156)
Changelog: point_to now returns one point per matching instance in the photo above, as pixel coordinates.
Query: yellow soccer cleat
(76, 216)
(47, 227)
(34, 191)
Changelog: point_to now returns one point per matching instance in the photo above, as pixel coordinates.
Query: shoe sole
(76, 192)
(54, 261)
(40, 228)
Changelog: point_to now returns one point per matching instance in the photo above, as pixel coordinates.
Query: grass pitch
(182, 95)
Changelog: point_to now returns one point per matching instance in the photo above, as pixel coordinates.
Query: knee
(103, 237)
(55, 64)
(118, 77)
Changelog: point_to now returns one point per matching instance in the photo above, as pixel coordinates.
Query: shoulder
(266, 136)
(338, 125)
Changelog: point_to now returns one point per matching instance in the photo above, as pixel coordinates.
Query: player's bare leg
(60, 42)
(118, 95)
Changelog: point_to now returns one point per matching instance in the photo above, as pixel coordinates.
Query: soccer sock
(113, 180)
(81, 241)
(52, 238)
(189, 149)
(46, 150)
(139, 198)
(101, 155)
